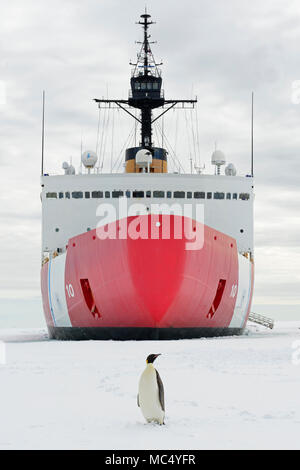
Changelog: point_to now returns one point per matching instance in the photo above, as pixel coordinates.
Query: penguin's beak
(156, 355)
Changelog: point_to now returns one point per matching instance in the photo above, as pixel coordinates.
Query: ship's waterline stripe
(249, 293)
(49, 292)
(241, 309)
(57, 292)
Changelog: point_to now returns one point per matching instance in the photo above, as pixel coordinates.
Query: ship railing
(261, 320)
(248, 255)
(161, 95)
(47, 255)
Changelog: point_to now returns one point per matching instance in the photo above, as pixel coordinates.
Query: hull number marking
(70, 290)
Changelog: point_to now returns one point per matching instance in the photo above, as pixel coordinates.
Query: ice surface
(232, 392)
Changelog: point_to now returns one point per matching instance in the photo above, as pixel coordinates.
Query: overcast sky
(219, 50)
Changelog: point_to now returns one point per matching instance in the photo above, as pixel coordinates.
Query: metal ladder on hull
(261, 320)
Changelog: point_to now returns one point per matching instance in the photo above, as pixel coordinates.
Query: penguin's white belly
(149, 396)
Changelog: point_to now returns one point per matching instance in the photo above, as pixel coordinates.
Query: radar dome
(230, 170)
(218, 158)
(143, 157)
(89, 159)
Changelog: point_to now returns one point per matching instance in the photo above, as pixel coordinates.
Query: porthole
(244, 196)
(199, 195)
(116, 194)
(97, 194)
(179, 194)
(51, 195)
(137, 193)
(77, 194)
(158, 194)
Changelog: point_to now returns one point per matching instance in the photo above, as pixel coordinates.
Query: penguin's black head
(151, 358)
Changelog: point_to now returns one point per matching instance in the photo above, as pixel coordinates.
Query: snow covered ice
(221, 393)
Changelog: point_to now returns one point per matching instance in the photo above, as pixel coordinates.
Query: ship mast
(146, 84)
(146, 91)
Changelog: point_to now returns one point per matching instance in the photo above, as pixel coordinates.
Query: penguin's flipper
(161, 392)
(138, 401)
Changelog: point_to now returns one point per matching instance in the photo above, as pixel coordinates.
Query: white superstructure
(70, 202)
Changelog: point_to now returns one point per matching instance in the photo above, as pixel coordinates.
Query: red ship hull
(145, 288)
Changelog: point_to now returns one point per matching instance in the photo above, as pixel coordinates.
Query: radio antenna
(43, 133)
(252, 169)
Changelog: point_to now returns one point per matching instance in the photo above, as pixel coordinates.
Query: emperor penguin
(151, 393)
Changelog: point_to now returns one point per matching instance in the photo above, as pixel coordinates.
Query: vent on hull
(217, 299)
(89, 299)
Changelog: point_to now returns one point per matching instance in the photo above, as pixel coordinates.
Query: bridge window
(219, 195)
(189, 195)
(158, 194)
(199, 195)
(137, 86)
(148, 193)
(228, 196)
(117, 194)
(234, 196)
(137, 193)
(51, 195)
(107, 194)
(97, 194)
(169, 194)
(155, 86)
(61, 195)
(244, 196)
(77, 194)
(127, 193)
(209, 195)
(87, 194)
(149, 86)
(67, 195)
(179, 194)
(143, 86)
